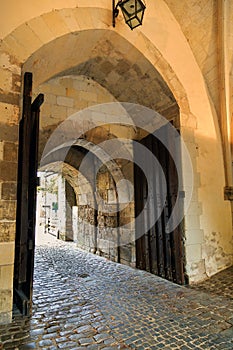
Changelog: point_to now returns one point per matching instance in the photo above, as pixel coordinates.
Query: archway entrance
(90, 83)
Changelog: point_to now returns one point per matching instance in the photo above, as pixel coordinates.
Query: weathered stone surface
(6, 277)
(7, 253)
(10, 152)
(8, 171)
(8, 132)
(7, 210)
(7, 231)
(6, 300)
(8, 190)
(11, 98)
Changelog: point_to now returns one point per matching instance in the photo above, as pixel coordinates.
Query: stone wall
(100, 220)
(9, 118)
(99, 230)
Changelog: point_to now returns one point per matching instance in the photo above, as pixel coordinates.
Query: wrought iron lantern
(132, 10)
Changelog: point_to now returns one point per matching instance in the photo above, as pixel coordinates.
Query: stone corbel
(228, 193)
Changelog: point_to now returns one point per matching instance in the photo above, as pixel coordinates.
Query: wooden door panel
(156, 250)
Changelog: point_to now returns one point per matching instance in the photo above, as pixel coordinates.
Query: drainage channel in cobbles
(82, 301)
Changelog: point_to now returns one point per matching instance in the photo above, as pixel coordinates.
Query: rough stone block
(189, 121)
(69, 19)
(1, 149)
(10, 152)
(104, 97)
(16, 49)
(7, 210)
(7, 253)
(83, 18)
(65, 101)
(50, 99)
(192, 221)
(194, 236)
(56, 89)
(88, 96)
(193, 252)
(5, 80)
(125, 253)
(8, 171)
(8, 132)
(59, 113)
(25, 37)
(5, 317)
(112, 196)
(72, 93)
(39, 26)
(6, 277)
(16, 82)
(82, 199)
(9, 114)
(8, 190)
(55, 23)
(195, 208)
(7, 231)
(196, 271)
(67, 82)
(46, 110)
(8, 62)
(6, 300)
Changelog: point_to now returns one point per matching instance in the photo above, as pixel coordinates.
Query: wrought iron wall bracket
(115, 12)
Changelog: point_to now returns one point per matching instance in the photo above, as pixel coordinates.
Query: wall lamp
(133, 12)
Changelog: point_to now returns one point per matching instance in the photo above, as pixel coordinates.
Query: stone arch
(99, 212)
(157, 48)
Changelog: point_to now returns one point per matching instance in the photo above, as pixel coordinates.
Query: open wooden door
(26, 198)
(157, 251)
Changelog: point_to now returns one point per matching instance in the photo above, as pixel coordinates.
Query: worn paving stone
(117, 307)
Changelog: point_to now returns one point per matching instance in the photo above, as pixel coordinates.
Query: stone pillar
(70, 202)
(66, 200)
(62, 207)
(75, 223)
(9, 118)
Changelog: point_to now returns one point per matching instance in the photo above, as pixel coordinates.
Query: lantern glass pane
(129, 6)
(140, 16)
(126, 16)
(133, 23)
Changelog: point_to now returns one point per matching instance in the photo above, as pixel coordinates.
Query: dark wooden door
(26, 198)
(157, 251)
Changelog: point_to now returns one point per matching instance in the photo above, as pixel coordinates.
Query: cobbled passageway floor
(82, 301)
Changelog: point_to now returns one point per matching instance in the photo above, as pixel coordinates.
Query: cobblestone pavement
(220, 284)
(82, 301)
